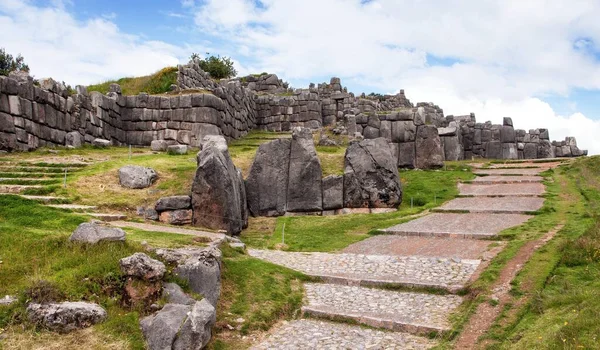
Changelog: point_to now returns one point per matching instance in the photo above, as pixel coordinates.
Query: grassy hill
(157, 83)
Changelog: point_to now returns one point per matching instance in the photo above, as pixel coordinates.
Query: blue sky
(536, 61)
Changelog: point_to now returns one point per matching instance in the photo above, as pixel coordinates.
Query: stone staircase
(366, 284)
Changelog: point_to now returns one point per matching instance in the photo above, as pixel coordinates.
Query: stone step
(316, 334)
(73, 207)
(41, 199)
(494, 205)
(472, 225)
(518, 190)
(17, 175)
(168, 229)
(491, 180)
(377, 270)
(107, 217)
(16, 189)
(529, 171)
(44, 170)
(9, 180)
(415, 313)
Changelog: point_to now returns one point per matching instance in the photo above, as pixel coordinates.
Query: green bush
(8, 63)
(218, 67)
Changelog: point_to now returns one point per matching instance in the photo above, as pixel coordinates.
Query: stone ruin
(420, 136)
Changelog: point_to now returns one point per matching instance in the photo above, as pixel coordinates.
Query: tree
(9, 64)
(218, 67)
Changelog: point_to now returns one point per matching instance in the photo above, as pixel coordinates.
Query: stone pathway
(494, 189)
(498, 179)
(449, 274)
(495, 205)
(168, 229)
(511, 171)
(313, 334)
(417, 313)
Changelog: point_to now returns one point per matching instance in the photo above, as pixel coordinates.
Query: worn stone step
(107, 217)
(491, 180)
(518, 190)
(529, 171)
(316, 334)
(37, 181)
(469, 225)
(16, 189)
(17, 175)
(168, 229)
(415, 313)
(41, 199)
(377, 270)
(44, 170)
(493, 205)
(73, 207)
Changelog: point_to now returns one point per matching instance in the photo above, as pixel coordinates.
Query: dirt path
(486, 314)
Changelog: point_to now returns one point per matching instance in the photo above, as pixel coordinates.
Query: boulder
(304, 183)
(545, 149)
(507, 122)
(142, 266)
(176, 217)
(406, 155)
(449, 131)
(333, 192)
(428, 146)
(493, 150)
(509, 151)
(94, 232)
(101, 143)
(177, 149)
(73, 139)
(65, 317)
(507, 134)
(202, 271)
(175, 295)
(544, 134)
(159, 145)
(137, 177)
(243, 198)
(453, 149)
(370, 176)
(216, 197)
(180, 327)
(530, 151)
(214, 140)
(266, 185)
(173, 203)
(403, 131)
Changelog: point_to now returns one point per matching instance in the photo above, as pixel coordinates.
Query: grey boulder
(65, 317)
(428, 146)
(202, 271)
(137, 177)
(175, 295)
(101, 143)
(74, 139)
(94, 232)
(333, 192)
(173, 203)
(142, 266)
(177, 149)
(304, 186)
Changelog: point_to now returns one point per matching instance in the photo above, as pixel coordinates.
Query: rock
(136, 177)
(74, 139)
(453, 149)
(216, 197)
(203, 273)
(507, 134)
(65, 317)
(507, 122)
(179, 255)
(7, 300)
(449, 131)
(151, 214)
(177, 149)
(175, 295)
(428, 146)
(403, 131)
(236, 245)
(544, 134)
(173, 203)
(141, 266)
(406, 155)
(304, 186)
(266, 185)
(176, 217)
(494, 150)
(180, 327)
(94, 232)
(101, 143)
(545, 149)
(370, 176)
(159, 145)
(214, 140)
(243, 198)
(530, 151)
(333, 192)
(509, 151)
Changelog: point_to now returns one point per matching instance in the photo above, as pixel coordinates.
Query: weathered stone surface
(180, 327)
(216, 197)
(333, 192)
(507, 121)
(94, 232)
(203, 273)
(159, 145)
(176, 217)
(101, 143)
(266, 185)
(66, 317)
(177, 149)
(173, 203)
(304, 185)
(494, 150)
(453, 149)
(74, 139)
(406, 155)
(507, 134)
(137, 177)
(428, 146)
(545, 149)
(370, 176)
(217, 141)
(448, 131)
(509, 151)
(530, 151)
(175, 295)
(142, 266)
(403, 131)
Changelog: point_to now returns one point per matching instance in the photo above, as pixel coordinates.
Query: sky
(536, 61)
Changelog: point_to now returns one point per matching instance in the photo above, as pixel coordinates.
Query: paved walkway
(424, 252)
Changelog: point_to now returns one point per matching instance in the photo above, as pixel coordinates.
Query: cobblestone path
(442, 250)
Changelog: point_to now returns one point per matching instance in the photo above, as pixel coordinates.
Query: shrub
(218, 67)
(8, 63)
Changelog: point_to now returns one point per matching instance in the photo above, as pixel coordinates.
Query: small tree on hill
(218, 67)
(8, 63)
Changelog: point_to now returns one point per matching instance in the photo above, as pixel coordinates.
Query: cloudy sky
(537, 61)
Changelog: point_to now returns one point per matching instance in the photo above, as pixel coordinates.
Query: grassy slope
(157, 83)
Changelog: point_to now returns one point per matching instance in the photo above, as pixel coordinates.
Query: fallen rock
(136, 177)
(370, 176)
(176, 217)
(179, 326)
(203, 273)
(159, 145)
(304, 186)
(101, 143)
(428, 146)
(175, 295)
(173, 203)
(74, 139)
(94, 232)
(142, 266)
(65, 317)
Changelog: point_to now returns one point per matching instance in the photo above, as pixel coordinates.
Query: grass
(333, 233)
(157, 83)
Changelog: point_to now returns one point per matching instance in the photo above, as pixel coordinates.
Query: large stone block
(406, 155)
(493, 150)
(545, 149)
(304, 186)
(403, 131)
(428, 146)
(333, 192)
(507, 134)
(509, 151)
(530, 151)
(453, 149)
